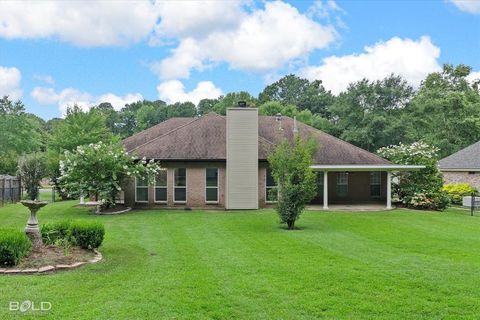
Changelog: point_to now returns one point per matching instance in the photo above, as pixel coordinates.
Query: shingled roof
(204, 138)
(467, 158)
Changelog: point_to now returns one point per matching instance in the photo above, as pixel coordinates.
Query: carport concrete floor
(350, 207)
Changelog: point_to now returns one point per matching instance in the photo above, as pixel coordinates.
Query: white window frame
(376, 184)
(269, 187)
(161, 187)
(210, 187)
(175, 187)
(145, 187)
(341, 182)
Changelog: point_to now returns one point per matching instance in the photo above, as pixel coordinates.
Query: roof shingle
(467, 158)
(204, 138)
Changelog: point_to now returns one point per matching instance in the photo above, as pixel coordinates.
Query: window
(141, 189)
(161, 186)
(271, 190)
(180, 185)
(320, 184)
(211, 185)
(342, 184)
(375, 178)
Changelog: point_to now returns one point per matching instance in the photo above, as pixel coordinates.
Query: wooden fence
(10, 189)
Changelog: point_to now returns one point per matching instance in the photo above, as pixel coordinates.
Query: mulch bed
(54, 255)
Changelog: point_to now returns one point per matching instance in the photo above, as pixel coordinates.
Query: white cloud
(197, 18)
(263, 40)
(70, 96)
(10, 82)
(96, 23)
(473, 76)
(44, 78)
(471, 6)
(411, 59)
(174, 91)
(111, 23)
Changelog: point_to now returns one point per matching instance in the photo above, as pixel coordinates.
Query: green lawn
(199, 264)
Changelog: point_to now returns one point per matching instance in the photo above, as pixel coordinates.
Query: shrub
(429, 201)
(14, 246)
(456, 191)
(88, 234)
(53, 232)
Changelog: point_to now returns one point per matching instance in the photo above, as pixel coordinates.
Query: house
(462, 166)
(221, 162)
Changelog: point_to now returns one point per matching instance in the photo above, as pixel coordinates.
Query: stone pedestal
(32, 230)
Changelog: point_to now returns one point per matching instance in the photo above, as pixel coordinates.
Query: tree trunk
(291, 224)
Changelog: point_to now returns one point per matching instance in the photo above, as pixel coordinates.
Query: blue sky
(54, 54)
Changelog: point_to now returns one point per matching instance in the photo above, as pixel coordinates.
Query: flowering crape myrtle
(101, 170)
(420, 189)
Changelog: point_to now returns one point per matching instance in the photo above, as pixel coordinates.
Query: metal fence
(469, 201)
(10, 189)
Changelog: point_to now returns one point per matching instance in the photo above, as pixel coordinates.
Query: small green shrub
(456, 191)
(53, 232)
(88, 234)
(14, 246)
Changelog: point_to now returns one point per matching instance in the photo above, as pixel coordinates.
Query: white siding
(242, 158)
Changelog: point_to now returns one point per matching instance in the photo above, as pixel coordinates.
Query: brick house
(462, 166)
(221, 162)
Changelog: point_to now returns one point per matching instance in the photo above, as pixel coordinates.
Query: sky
(57, 53)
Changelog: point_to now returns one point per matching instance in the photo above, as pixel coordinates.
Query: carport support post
(325, 190)
(389, 190)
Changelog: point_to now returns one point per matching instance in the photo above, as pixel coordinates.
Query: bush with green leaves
(32, 168)
(14, 246)
(418, 184)
(88, 234)
(429, 201)
(290, 164)
(100, 170)
(456, 191)
(54, 232)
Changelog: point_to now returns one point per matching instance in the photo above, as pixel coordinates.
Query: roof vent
(242, 104)
(278, 118)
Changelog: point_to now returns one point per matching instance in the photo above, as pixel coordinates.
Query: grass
(199, 264)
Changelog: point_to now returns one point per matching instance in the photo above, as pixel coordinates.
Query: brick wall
(195, 186)
(472, 179)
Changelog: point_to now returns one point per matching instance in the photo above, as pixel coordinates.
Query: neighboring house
(221, 161)
(462, 166)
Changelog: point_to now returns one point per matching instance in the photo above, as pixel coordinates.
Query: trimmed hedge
(53, 232)
(86, 234)
(14, 246)
(456, 191)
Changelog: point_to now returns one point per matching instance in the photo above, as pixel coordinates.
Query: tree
(368, 113)
(305, 94)
(231, 100)
(181, 109)
(206, 105)
(446, 111)
(425, 183)
(272, 108)
(78, 128)
(290, 164)
(32, 168)
(20, 132)
(101, 170)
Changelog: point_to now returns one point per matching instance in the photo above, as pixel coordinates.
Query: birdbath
(32, 230)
